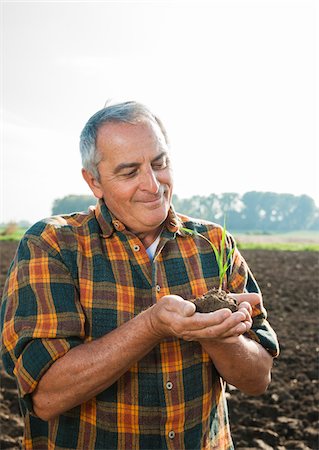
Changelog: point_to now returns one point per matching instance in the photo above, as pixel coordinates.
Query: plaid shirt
(77, 277)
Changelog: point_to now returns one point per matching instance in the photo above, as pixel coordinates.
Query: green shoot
(223, 262)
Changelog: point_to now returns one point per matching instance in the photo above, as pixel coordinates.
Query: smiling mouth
(153, 200)
(153, 203)
(157, 199)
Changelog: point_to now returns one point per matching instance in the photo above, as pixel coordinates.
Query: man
(106, 351)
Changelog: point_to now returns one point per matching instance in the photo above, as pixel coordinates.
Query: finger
(175, 303)
(219, 324)
(240, 329)
(239, 316)
(205, 320)
(203, 325)
(213, 332)
(202, 321)
(245, 307)
(253, 298)
(244, 327)
(188, 309)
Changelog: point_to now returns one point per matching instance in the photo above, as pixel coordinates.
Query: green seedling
(222, 261)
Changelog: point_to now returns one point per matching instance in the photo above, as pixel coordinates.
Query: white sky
(233, 82)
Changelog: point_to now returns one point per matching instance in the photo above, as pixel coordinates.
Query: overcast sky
(233, 81)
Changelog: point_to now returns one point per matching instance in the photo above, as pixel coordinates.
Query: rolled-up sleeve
(41, 316)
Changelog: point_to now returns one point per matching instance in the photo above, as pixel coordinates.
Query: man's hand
(173, 316)
(250, 304)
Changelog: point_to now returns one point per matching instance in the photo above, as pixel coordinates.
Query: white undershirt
(152, 248)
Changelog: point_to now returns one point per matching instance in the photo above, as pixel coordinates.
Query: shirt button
(158, 288)
(169, 385)
(171, 434)
(136, 248)
(116, 224)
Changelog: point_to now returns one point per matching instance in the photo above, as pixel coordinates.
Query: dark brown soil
(11, 423)
(286, 416)
(213, 300)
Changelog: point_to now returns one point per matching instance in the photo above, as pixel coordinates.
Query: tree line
(254, 211)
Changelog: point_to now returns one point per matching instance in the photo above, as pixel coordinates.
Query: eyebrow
(123, 166)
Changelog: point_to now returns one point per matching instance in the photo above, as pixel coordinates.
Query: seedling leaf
(219, 254)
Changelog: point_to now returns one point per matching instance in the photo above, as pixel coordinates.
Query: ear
(94, 185)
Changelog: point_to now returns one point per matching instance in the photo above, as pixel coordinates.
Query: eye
(160, 164)
(130, 174)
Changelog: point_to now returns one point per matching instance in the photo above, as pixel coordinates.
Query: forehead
(126, 137)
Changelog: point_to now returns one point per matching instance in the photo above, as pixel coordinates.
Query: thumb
(189, 309)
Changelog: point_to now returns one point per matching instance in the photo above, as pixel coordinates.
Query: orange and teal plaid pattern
(77, 277)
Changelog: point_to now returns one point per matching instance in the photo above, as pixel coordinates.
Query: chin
(155, 219)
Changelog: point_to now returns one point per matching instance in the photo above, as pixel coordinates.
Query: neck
(147, 238)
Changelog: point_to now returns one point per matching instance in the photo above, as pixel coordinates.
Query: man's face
(135, 175)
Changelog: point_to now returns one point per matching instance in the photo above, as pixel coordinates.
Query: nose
(149, 182)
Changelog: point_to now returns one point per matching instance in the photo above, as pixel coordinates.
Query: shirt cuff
(35, 360)
(263, 333)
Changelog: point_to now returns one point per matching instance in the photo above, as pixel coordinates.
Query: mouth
(155, 199)
(153, 203)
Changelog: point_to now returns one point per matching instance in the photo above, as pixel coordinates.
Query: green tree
(72, 203)
(305, 213)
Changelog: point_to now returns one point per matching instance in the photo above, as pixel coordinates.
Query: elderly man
(106, 351)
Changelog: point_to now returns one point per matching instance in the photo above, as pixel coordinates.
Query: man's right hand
(173, 316)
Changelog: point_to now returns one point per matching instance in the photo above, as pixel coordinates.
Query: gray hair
(129, 112)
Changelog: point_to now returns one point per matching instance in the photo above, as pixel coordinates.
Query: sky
(233, 81)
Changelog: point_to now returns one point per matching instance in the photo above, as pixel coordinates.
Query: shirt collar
(109, 223)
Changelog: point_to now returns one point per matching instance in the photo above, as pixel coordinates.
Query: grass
(14, 235)
(293, 241)
(279, 246)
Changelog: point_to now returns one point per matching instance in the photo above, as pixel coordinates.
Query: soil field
(286, 416)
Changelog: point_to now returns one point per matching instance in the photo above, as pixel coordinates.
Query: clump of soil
(213, 300)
